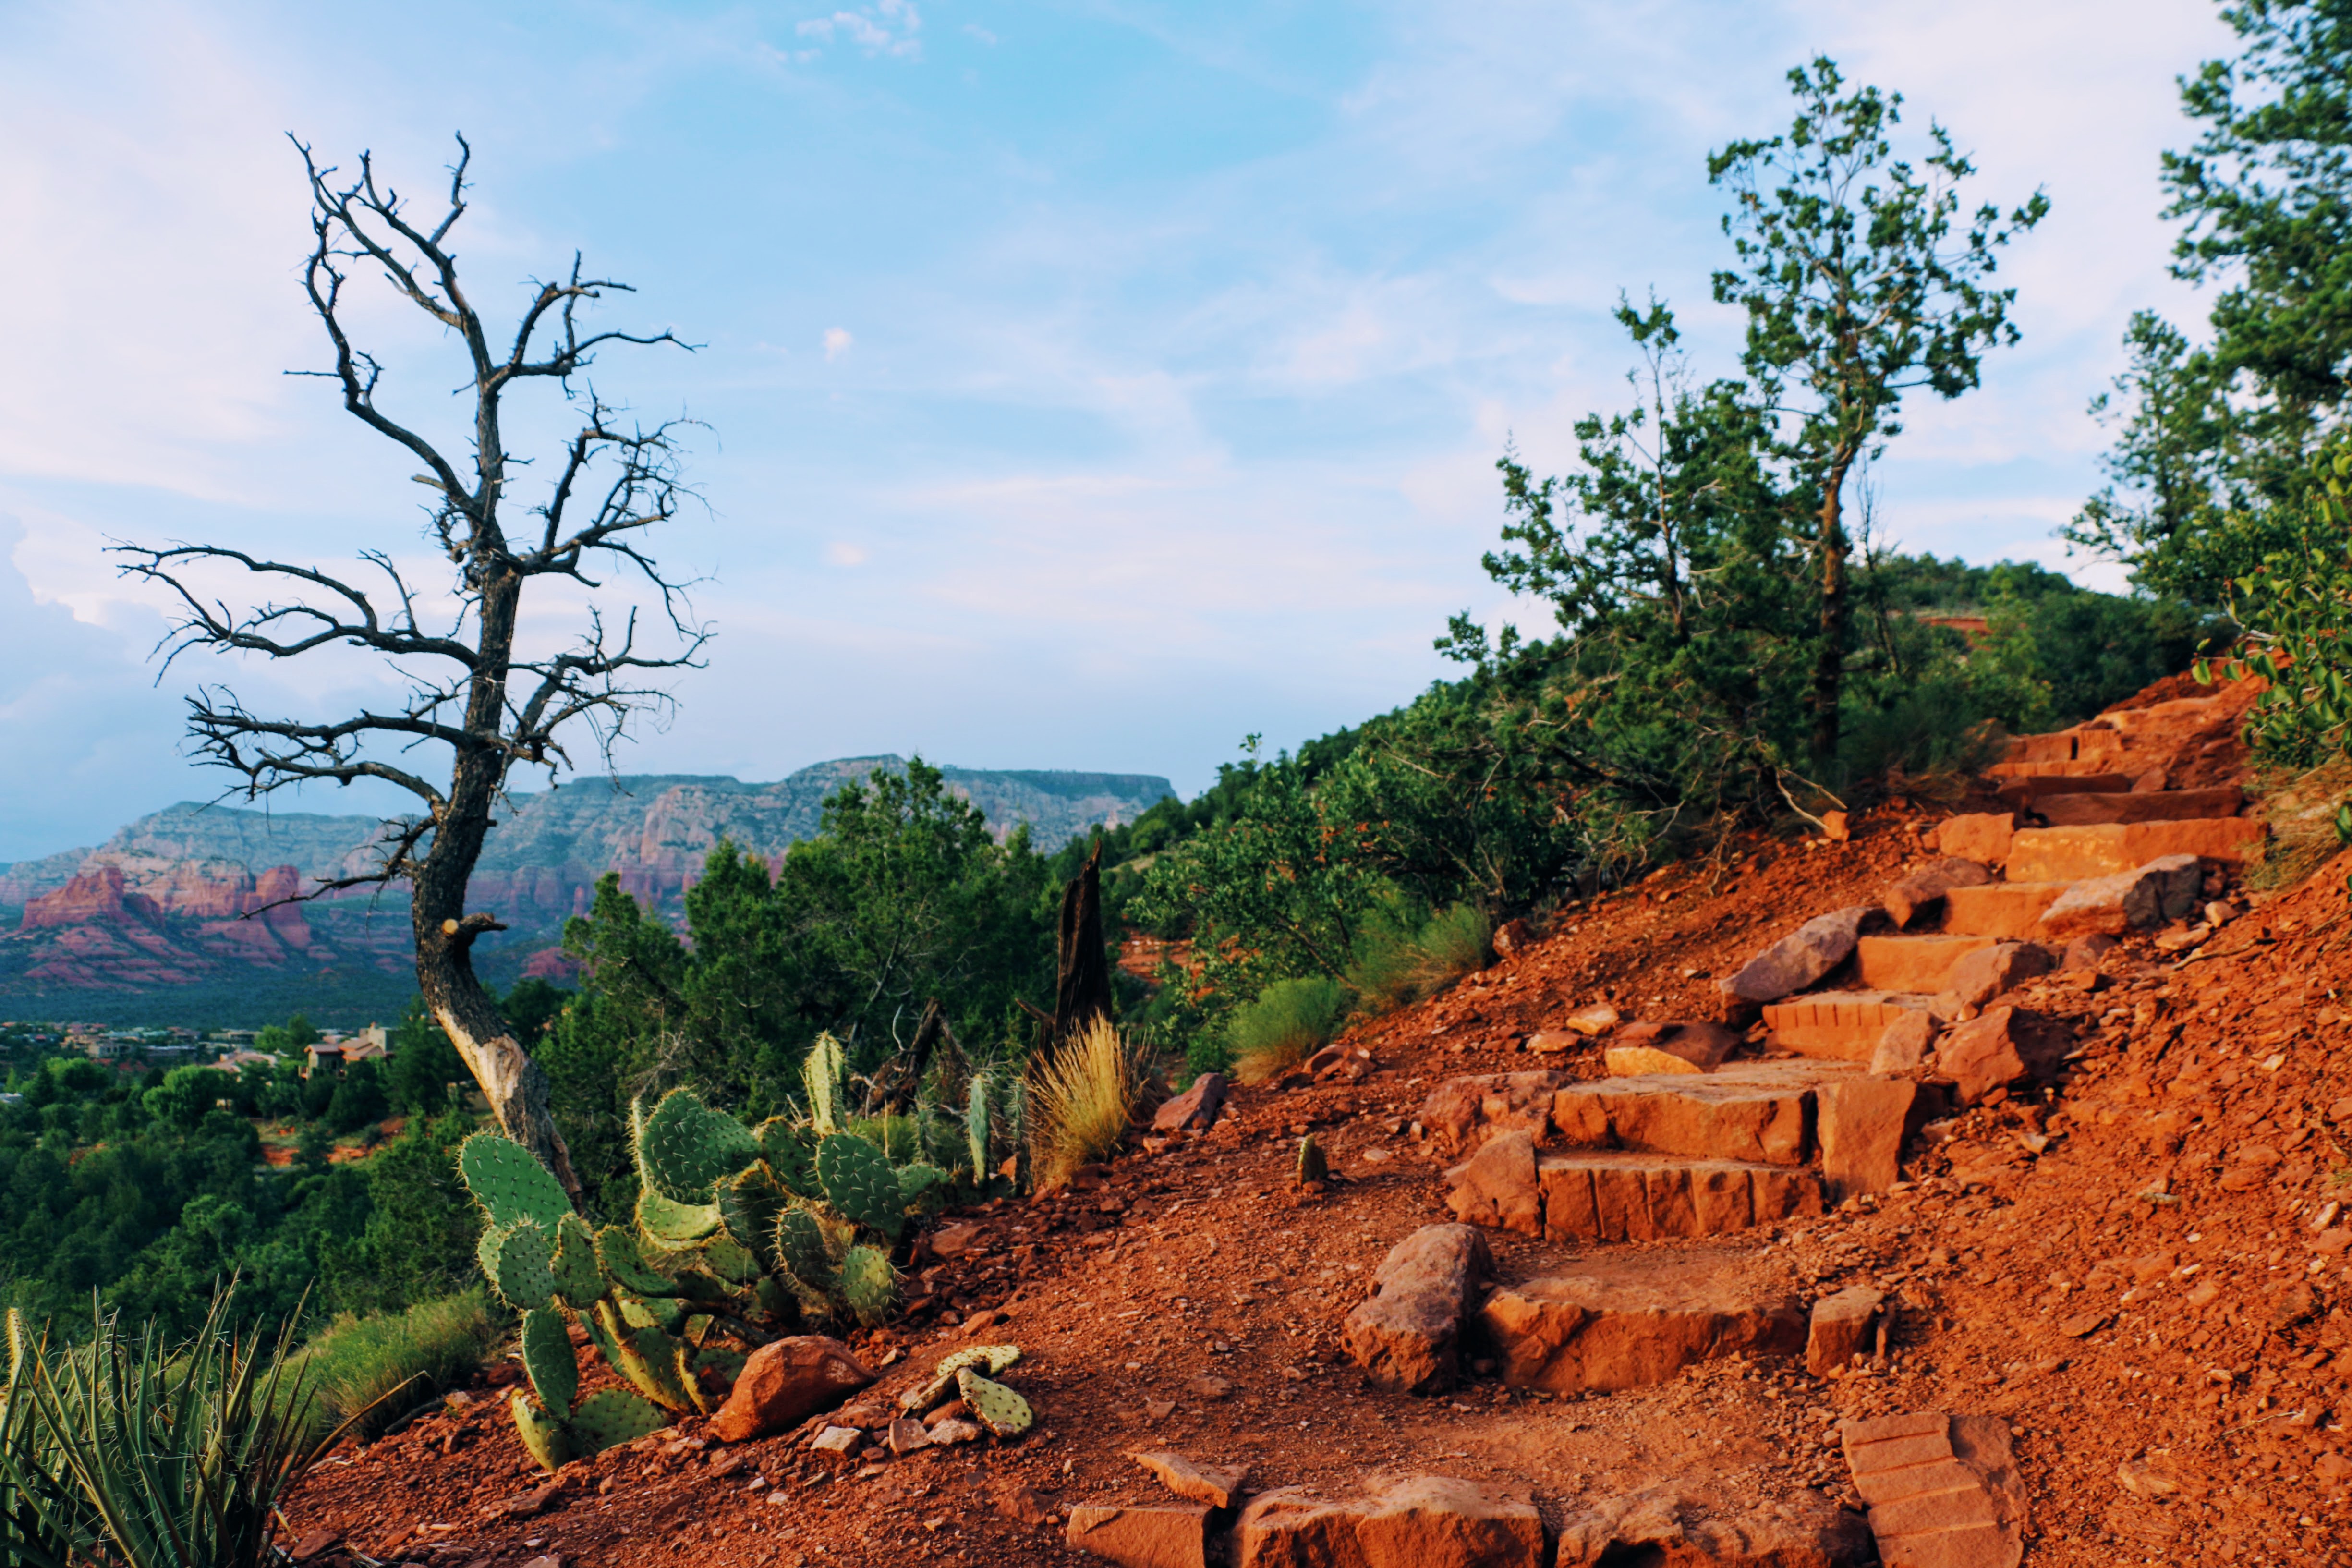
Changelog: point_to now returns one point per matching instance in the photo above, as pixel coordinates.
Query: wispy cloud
(887, 27)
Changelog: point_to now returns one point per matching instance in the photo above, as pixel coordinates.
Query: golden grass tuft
(1082, 1098)
(1289, 1022)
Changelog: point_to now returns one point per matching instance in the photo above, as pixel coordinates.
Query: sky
(1081, 385)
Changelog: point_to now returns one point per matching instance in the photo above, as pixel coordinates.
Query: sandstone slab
(1676, 1047)
(1923, 891)
(1862, 1124)
(1158, 1535)
(2020, 793)
(1406, 1334)
(2141, 899)
(1497, 1188)
(2011, 910)
(784, 1382)
(1979, 835)
(1943, 1490)
(1678, 1525)
(1632, 1321)
(1219, 1485)
(1913, 963)
(1904, 1045)
(1419, 1522)
(1843, 1326)
(1840, 1026)
(1803, 957)
(2005, 1046)
(2071, 854)
(1614, 1196)
(2175, 806)
(1755, 1112)
(1462, 1113)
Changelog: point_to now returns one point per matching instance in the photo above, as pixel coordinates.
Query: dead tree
(476, 686)
(1082, 974)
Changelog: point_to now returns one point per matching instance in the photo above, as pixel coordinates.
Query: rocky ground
(2134, 1268)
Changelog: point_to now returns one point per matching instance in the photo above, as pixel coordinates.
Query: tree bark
(1082, 975)
(1836, 615)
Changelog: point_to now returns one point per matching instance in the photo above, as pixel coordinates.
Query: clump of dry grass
(1290, 1021)
(1082, 1098)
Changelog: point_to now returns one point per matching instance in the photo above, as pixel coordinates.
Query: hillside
(151, 918)
(2101, 1295)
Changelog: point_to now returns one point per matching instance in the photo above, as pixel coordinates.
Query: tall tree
(1861, 281)
(478, 686)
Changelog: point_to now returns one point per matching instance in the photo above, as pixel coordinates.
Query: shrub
(1400, 960)
(374, 1370)
(1290, 1021)
(1082, 1098)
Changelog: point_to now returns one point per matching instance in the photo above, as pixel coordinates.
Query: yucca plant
(41, 1521)
(149, 1455)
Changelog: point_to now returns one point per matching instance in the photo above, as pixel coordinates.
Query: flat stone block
(2071, 854)
(1842, 1025)
(1633, 1322)
(1915, 963)
(2005, 910)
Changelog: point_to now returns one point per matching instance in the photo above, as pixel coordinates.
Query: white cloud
(837, 342)
(841, 552)
(887, 28)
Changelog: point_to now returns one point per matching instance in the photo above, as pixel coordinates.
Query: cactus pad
(509, 1183)
(734, 1267)
(868, 1284)
(860, 1182)
(616, 1252)
(542, 1435)
(647, 1356)
(547, 1358)
(520, 1261)
(747, 1205)
(611, 1416)
(674, 1225)
(820, 1076)
(989, 1358)
(1313, 1167)
(685, 1148)
(1000, 1409)
(790, 1149)
(578, 1280)
(915, 1182)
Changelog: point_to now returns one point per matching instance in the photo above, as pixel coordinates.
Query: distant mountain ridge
(158, 904)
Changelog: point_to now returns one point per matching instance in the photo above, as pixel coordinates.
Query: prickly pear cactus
(617, 1255)
(542, 1435)
(578, 1279)
(822, 1073)
(520, 1261)
(790, 1149)
(989, 1360)
(916, 1183)
(747, 1205)
(684, 1149)
(674, 1225)
(612, 1417)
(1000, 1409)
(509, 1183)
(860, 1182)
(868, 1284)
(1312, 1166)
(547, 1358)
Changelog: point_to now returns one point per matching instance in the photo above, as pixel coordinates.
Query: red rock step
(1916, 964)
(1630, 1321)
(1840, 1026)
(2073, 854)
(2008, 910)
(2167, 806)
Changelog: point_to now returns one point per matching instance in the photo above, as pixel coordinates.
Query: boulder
(1197, 1108)
(1843, 1326)
(784, 1382)
(1419, 1522)
(1924, 890)
(1942, 1488)
(1800, 958)
(1461, 1113)
(1497, 1188)
(1982, 836)
(1405, 1335)
(1995, 971)
(1156, 1535)
(2006, 1046)
(2141, 899)
(1903, 1045)
(1513, 935)
(1218, 1485)
(1632, 1319)
(1676, 1524)
(1861, 1123)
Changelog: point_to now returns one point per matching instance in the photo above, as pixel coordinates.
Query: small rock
(2151, 1477)
(1597, 1019)
(1158, 1409)
(1209, 1387)
(1216, 1485)
(2082, 1325)
(545, 1560)
(1513, 935)
(2005, 1046)
(314, 1543)
(1801, 957)
(1925, 889)
(2084, 951)
(1904, 1045)
(954, 1240)
(906, 1435)
(784, 1382)
(955, 1429)
(1994, 971)
(1675, 1048)
(979, 1320)
(1550, 1040)
(1020, 1504)
(1841, 1326)
(837, 1445)
(1497, 1188)
(1160, 1535)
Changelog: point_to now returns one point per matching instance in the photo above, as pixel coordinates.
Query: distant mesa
(160, 904)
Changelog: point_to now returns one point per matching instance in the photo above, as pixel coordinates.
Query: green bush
(1290, 1021)
(405, 1359)
(1400, 960)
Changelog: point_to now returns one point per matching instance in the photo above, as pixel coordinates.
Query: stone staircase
(1634, 1191)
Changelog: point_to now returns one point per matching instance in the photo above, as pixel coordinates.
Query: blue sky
(1086, 385)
